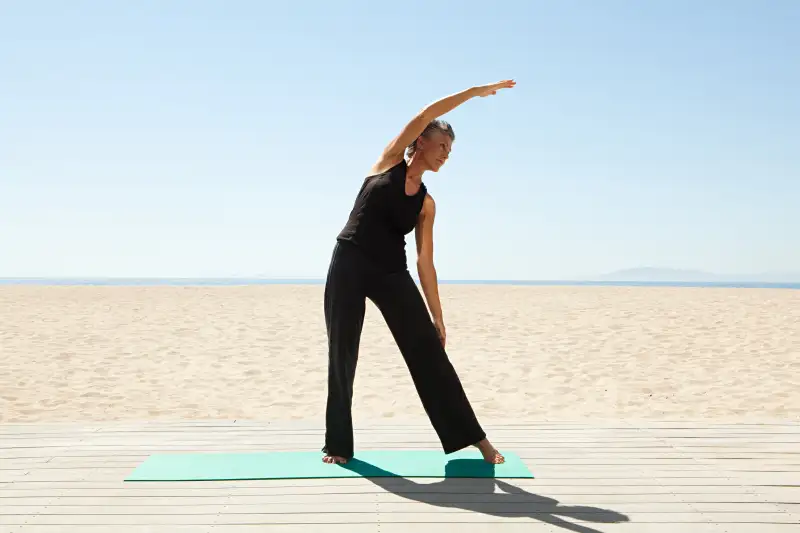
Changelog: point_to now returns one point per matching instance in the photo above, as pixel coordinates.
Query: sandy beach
(523, 353)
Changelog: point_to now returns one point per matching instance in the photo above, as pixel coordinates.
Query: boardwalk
(607, 477)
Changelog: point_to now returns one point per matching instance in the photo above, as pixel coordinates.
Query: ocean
(263, 281)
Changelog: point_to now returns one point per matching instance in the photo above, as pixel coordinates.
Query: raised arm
(395, 150)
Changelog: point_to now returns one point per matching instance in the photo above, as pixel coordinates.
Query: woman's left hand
(492, 88)
(440, 329)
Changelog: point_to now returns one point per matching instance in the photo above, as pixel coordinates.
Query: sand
(523, 353)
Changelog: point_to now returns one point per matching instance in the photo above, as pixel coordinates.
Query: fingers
(505, 84)
(492, 89)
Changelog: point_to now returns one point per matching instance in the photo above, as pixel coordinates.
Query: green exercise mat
(308, 465)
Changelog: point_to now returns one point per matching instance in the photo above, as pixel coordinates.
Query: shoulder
(428, 205)
(385, 166)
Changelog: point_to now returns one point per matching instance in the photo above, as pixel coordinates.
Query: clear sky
(229, 138)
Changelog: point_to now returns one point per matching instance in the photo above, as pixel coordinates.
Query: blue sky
(200, 138)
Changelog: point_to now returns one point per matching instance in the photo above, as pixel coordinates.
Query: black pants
(352, 278)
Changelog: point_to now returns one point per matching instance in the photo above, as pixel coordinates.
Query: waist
(386, 257)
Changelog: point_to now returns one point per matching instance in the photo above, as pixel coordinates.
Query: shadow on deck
(482, 496)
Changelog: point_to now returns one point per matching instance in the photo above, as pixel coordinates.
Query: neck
(416, 167)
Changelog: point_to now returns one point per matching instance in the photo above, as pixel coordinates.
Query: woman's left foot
(490, 453)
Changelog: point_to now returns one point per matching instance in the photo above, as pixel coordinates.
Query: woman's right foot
(334, 459)
(490, 453)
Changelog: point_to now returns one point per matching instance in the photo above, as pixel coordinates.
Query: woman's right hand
(492, 88)
(441, 331)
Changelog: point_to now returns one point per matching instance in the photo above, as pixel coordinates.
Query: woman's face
(435, 149)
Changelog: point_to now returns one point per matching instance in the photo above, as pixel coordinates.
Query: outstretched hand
(492, 88)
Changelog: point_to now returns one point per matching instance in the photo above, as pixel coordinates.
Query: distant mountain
(680, 275)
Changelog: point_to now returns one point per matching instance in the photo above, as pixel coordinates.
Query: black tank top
(383, 214)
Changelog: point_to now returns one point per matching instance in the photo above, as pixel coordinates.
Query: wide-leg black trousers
(352, 278)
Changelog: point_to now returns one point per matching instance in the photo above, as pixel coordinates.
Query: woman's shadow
(470, 484)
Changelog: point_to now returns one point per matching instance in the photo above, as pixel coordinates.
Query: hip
(354, 257)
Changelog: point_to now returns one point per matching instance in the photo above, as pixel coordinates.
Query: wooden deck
(610, 477)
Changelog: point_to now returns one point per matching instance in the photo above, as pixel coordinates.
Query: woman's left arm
(425, 267)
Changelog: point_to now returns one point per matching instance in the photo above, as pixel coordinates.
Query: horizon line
(731, 282)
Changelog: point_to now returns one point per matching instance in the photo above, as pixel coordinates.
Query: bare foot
(490, 453)
(334, 459)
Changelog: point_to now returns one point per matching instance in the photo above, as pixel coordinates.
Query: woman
(369, 261)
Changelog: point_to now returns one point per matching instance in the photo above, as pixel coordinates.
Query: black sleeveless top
(383, 214)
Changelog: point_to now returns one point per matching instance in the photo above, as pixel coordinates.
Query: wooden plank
(563, 451)
(748, 446)
(156, 506)
(721, 439)
(486, 505)
(515, 527)
(201, 513)
(92, 459)
(553, 455)
(376, 429)
(766, 478)
(56, 528)
(299, 489)
(123, 498)
(13, 473)
(749, 508)
(368, 517)
(556, 524)
(127, 520)
(85, 462)
(577, 440)
(555, 432)
(745, 496)
(78, 474)
(528, 451)
(22, 463)
(734, 462)
(282, 528)
(360, 428)
(579, 435)
(381, 441)
(650, 424)
(746, 517)
(9, 476)
(381, 429)
(316, 442)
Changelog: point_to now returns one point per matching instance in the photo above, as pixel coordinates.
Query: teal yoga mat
(309, 465)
